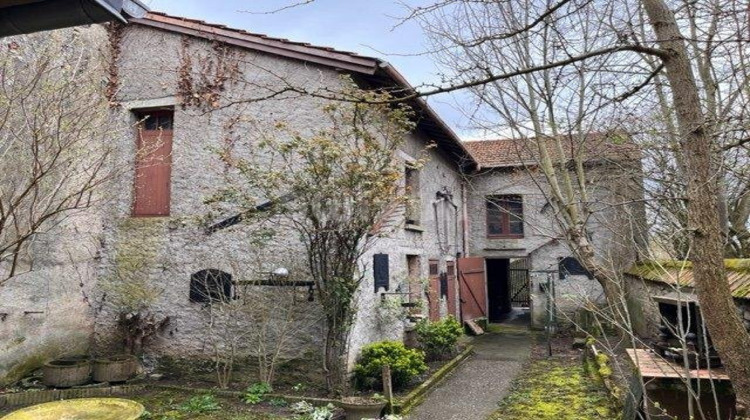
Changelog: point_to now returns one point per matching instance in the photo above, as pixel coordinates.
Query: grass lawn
(174, 405)
(556, 389)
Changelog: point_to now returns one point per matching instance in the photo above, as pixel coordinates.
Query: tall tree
(569, 65)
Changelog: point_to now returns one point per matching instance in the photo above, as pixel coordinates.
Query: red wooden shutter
(153, 167)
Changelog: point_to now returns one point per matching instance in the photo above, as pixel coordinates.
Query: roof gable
(377, 72)
(278, 46)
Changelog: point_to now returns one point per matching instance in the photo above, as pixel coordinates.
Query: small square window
(505, 216)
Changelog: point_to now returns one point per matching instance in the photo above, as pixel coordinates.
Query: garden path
(473, 390)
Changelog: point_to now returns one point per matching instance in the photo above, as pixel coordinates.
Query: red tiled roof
(503, 153)
(379, 71)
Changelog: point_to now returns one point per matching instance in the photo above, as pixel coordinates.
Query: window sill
(505, 237)
(413, 228)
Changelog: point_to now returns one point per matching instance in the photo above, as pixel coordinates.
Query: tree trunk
(727, 331)
(335, 364)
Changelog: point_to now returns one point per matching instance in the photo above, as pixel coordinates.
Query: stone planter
(357, 408)
(65, 373)
(115, 368)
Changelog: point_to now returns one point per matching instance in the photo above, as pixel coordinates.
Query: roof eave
(333, 59)
(463, 153)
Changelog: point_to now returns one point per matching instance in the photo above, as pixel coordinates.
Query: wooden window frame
(168, 133)
(505, 216)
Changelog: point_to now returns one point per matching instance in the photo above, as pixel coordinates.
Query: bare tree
(54, 118)
(261, 316)
(614, 61)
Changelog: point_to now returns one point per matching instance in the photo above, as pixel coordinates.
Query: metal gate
(520, 295)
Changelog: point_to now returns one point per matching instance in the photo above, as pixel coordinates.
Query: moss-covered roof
(681, 273)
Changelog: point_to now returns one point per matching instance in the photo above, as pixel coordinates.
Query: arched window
(210, 285)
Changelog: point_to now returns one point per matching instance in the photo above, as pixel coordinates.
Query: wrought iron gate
(519, 283)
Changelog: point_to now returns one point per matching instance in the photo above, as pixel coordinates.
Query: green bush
(200, 404)
(405, 364)
(438, 339)
(255, 393)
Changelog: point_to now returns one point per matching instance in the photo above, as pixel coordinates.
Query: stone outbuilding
(651, 284)
(514, 232)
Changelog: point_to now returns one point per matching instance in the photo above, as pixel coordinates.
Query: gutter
(20, 17)
(401, 80)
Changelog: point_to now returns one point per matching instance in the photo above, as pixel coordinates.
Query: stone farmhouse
(481, 240)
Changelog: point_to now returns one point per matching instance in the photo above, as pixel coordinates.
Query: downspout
(464, 221)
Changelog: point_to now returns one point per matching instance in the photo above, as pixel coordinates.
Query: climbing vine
(114, 35)
(201, 85)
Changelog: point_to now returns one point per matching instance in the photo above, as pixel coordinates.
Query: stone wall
(614, 230)
(47, 312)
(46, 308)
(167, 250)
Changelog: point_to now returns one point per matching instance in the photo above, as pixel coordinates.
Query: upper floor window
(505, 216)
(414, 205)
(153, 163)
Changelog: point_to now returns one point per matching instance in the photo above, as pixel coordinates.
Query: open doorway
(508, 295)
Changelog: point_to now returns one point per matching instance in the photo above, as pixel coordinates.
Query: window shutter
(153, 166)
(380, 271)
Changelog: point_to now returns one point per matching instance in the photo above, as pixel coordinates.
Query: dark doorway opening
(498, 289)
(508, 290)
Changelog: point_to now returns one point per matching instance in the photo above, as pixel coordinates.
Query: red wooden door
(472, 288)
(153, 170)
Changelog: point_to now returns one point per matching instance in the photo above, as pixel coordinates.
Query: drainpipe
(464, 221)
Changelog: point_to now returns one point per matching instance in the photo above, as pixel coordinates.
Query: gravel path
(474, 389)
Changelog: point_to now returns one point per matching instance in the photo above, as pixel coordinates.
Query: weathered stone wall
(611, 228)
(46, 310)
(169, 249)
(437, 237)
(46, 313)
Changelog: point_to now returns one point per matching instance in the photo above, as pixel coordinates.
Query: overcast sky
(362, 26)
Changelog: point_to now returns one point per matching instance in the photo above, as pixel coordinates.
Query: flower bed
(173, 399)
